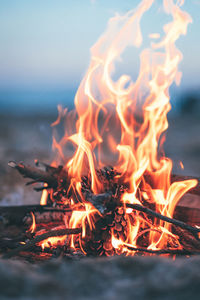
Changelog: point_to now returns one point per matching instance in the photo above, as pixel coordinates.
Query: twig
(39, 238)
(149, 211)
(34, 208)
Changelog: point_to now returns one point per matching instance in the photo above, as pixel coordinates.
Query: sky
(45, 48)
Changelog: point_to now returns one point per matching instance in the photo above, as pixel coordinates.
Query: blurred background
(44, 52)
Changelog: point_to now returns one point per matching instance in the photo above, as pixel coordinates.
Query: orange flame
(52, 241)
(43, 200)
(33, 225)
(124, 122)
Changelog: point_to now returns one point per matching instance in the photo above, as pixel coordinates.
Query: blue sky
(44, 46)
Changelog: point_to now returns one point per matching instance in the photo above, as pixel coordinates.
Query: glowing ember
(121, 123)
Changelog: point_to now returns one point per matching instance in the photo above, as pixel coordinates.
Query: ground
(117, 278)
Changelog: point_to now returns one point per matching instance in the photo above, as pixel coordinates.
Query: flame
(181, 165)
(33, 225)
(44, 197)
(52, 241)
(123, 122)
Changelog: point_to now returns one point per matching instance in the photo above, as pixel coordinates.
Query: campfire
(110, 189)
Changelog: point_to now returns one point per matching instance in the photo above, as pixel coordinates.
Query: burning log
(187, 239)
(101, 201)
(46, 217)
(192, 247)
(113, 219)
(20, 215)
(33, 242)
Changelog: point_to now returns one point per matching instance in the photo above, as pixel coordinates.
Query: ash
(113, 278)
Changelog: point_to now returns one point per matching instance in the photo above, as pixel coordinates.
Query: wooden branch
(50, 177)
(45, 217)
(39, 238)
(149, 211)
(17, 214)
(187, 239)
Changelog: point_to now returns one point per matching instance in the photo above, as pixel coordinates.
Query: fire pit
(110, 189)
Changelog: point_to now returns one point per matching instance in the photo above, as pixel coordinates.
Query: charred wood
(20, 215)
(50, 175)
(29, 245)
